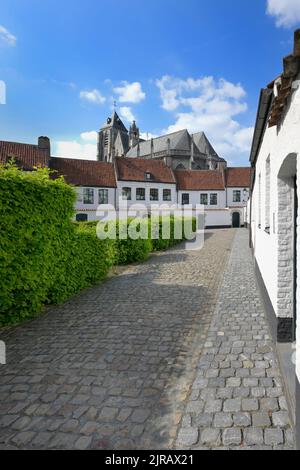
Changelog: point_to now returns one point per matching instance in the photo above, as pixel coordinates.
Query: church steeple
(134, 135)
(112, 139)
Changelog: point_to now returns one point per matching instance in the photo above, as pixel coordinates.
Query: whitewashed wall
(195, 198)
(147, 186)
(278, 144)
(91, 209)
(244, 197)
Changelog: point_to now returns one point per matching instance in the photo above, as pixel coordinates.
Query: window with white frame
(267, 195)
(185, 199)
(204, 199)
(126, 194)
(140, 194)
(103, 196)
(214, 199)
(88, 196)
(154, 194)
(167, 195)
(237, 195)
(81, 217)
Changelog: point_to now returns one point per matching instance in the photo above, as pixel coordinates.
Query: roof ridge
(165, 135)
(81, 160)
(19, 143)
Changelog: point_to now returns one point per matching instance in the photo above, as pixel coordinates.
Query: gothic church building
(179, 150)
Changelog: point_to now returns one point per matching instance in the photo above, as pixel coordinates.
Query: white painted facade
(272, 216)
(159, 188)
(217, 212)
(87, 206)
(221, 213)
(237, 197)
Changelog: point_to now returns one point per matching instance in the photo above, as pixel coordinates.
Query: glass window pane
(204, 199)
(185, 199)
(236, 196)
(126, 194)
(213, 199)
(88, 196)
(167, 195)
(103, 196)
(140, 194)
(81, 217)
(153, 194)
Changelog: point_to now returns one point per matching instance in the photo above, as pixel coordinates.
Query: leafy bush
(35, 222)
(44, 256)
(87, 261)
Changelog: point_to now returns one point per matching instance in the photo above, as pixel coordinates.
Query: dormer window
(148, 176)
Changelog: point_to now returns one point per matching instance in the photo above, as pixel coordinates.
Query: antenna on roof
(115, 105)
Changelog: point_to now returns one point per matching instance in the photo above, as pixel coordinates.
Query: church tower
(113, 139)
(134, 135)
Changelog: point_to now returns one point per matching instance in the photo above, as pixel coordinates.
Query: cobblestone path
(237, 400)
(113, 367)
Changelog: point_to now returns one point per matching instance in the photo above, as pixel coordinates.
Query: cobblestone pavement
(113, 367)
(237, 399)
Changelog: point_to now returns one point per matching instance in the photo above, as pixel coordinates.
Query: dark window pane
(167, 195)
(153, 194)
(204, 199)
(185, 199)
(103, 196)
(81, 217)
(88, 196)
(236, 196)
(140, 194)
(213, 199)
(126, 194)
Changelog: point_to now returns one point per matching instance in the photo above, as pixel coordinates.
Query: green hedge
(47, 258)
(44, 257)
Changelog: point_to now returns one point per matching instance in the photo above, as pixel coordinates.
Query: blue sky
(170, 64)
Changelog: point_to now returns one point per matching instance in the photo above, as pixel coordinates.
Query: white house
(224, 206)
(144, 182)
(275, 237)
(95, 184)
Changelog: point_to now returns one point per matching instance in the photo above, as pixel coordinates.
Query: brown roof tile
(134, 169)
(85, 172)
(198, 180)
(238, 177)
(27, 156)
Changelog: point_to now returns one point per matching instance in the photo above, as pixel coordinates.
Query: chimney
(297, 43)
(152, 148)
(44, 144)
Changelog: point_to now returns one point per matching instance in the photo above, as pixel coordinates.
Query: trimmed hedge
(47, 258)
(44, 257)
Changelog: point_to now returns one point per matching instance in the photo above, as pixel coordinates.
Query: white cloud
(126, 114)
(130, 92)
(91, 136)
(84, 148)
(209, 105)
(93, 96)
(147, 135)
(286, 12)
(7, 37)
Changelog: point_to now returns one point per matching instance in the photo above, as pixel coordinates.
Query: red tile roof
(134, 169)
(238, 177)
(85, 172)
(27, 156)
(198, 180)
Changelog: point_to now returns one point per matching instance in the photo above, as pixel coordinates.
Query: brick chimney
(297, 43)
(44, 144)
